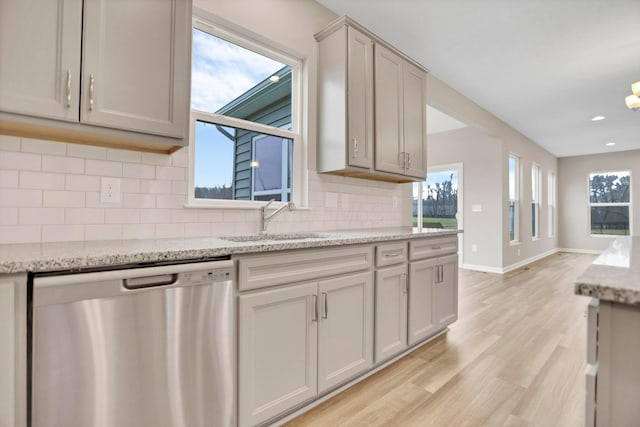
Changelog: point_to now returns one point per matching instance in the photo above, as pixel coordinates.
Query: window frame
(206, 22)
(516, 200)
(552, 200)
(283, 190)
(536, 187)
(590, 205)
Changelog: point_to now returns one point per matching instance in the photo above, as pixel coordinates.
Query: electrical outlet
(110, 190)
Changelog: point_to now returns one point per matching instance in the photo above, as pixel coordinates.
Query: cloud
(222, 71)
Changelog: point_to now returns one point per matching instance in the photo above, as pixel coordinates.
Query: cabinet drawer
(592, 330)
(427, 248)
(390, 254)
(260, 271)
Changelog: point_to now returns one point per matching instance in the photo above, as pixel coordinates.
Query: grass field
(445, 222)
(608, 232)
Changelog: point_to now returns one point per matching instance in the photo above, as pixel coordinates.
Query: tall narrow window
(244, 118)
(514, 198)
(536, 177)
(551, 203)
(610, 203)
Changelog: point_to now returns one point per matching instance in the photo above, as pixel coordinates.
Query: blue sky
(433, 177)
(221, 71)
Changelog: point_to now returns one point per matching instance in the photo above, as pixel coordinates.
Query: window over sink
(245, 142)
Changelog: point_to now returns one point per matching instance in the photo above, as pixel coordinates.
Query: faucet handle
(264, 208)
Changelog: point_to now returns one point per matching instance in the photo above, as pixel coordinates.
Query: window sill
(239, 205)
(514, 242)
(610, 236)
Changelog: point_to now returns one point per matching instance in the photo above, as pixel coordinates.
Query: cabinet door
(360, 98)
(391, 312)
(422, 276)
(415, 120)
(277, 344)
(136, 65)
(13, 351)
(388, 111)
(446, 291)
(40, 57)
(345, 335)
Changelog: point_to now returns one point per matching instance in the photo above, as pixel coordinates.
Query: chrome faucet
(267, 217)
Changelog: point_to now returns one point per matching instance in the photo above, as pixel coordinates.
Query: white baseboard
(482, 268)
(529, 260)
(580, 251)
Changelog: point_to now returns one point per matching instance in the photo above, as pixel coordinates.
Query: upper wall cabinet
(107, 72)
(372, 107)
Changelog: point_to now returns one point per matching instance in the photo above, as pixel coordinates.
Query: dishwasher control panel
(206, 276)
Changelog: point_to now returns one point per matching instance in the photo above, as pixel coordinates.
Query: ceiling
(545, 67)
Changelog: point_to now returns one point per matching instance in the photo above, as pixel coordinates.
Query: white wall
(49, 191)
(573, 185)
(451, 102)
(482, 184)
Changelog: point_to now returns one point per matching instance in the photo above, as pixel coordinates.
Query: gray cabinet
(446, 291)
(93, 65)
(13, 351)
(391, 312)
(422, 322)
(372, 105)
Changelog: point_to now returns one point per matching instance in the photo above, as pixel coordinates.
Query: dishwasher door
(139, 347)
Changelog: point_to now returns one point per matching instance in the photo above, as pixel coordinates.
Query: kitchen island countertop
(65, 256)
(615, 275)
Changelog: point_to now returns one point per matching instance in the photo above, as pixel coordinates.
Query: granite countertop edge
(45, 257)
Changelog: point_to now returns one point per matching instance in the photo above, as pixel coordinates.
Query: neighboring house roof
(260, 96)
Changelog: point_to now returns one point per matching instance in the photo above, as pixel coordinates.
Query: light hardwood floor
(515, 357)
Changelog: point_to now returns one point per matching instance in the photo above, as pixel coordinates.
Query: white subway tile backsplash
(170, 201)
(132, 170)
(86, 151)
(84, 216)
(210, 215)
(41, 216)
(184, 215)
(8, 216)
(43, 147)
(156, 159)
(129, 185)
(155, 187)
(63, 199)
(62, 164)
(142, 201)
(170, 172)
(93, 201)
(180, 157)
(138, 231)
(165, 231)
(62, 233)
(124, 156)
(43, 181)
(179, 187)
(20, 234)
(103, 232)
(82, 183)
(20, 198)
(9, 143)
(20, 161)
(155, 216)
(122, 216)
(103, 168)
(197, 230)
(8, 179)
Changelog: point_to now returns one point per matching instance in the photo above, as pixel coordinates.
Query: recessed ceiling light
(274, 79)
(597, 118)
(610, 144)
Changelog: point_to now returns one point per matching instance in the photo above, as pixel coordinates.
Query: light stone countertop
(615, 275)
(42, 257)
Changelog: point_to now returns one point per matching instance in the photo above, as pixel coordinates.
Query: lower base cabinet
(301, 340)
(422, 277)
(391, 312)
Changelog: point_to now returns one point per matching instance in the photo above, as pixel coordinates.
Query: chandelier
(633, 100)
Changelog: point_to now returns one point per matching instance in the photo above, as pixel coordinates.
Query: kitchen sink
(273, 237)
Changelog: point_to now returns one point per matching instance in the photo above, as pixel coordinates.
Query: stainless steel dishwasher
(135, 347)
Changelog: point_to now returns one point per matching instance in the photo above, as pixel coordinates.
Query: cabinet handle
(69, 88)
(314, 303)
(391, 255)
(91, 81)
(441, 274)
(408, 161)
(403, 159)
(355, 148)
(435, 248)
(406, 283)
(326, 305)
